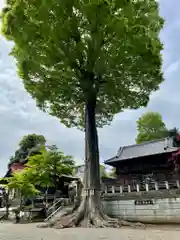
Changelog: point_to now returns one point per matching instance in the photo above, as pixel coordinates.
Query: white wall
(79, 172)
(166, 210)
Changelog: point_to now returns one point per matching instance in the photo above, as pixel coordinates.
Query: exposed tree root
(90, 214)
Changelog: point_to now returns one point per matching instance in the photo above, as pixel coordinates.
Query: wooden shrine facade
(145, 162)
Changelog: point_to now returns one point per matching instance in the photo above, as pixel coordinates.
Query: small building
(147, 161)
(14, 167)
(79, 172)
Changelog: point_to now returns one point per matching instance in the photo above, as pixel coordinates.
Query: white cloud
(172, 68)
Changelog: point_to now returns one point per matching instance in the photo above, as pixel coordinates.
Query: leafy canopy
(20, 181)
(150, 126)
(69, 51)
(41, 171)
(103, 172)
(32, 140)
(47, 166)
(27, 145)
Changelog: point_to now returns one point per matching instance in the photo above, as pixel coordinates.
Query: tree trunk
(90, 212)
(6, 194)
(55, 180)
(21, 202)
(19, 212)
(46, 201)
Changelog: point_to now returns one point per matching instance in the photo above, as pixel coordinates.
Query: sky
(20, 116)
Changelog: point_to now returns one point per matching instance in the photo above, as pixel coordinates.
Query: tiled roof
(17, 167)
(141, 150)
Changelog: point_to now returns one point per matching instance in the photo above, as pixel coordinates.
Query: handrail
(54, 204)
(53, 213)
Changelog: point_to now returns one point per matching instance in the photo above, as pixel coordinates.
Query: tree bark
(46, 200)
(55, 180)
(90, 211)
(6, 194)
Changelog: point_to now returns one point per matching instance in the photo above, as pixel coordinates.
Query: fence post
(121, 189)
(105, 189)
(137, 187)
(167, 184)
(147, 187)
(156, 186)
(113, 189)
(129, 188)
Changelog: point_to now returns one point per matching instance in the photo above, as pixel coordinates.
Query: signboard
(143, 202)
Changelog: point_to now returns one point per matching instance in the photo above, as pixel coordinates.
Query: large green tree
(150, 126)
(28, 145)
(45, 168)
(42, 170)
(93, 56)
(20, 182)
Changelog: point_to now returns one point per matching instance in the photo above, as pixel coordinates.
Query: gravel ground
(9, 231)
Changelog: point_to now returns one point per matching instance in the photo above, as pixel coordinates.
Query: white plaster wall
(165, 210)
(79, 172)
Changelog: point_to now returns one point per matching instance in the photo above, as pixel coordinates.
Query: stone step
(112, 220)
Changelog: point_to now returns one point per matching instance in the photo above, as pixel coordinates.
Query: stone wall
(149, 206)
(165, 210)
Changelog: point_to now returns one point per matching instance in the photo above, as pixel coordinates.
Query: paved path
(10, 231)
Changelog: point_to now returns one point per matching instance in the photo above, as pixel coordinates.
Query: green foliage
(103, 172)
(32, 140)
(22, 183)
(28, 145)
(42, 170)
(112, 173)
(150, 126)
(45, 168)
(70, 51)
(173, 132)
